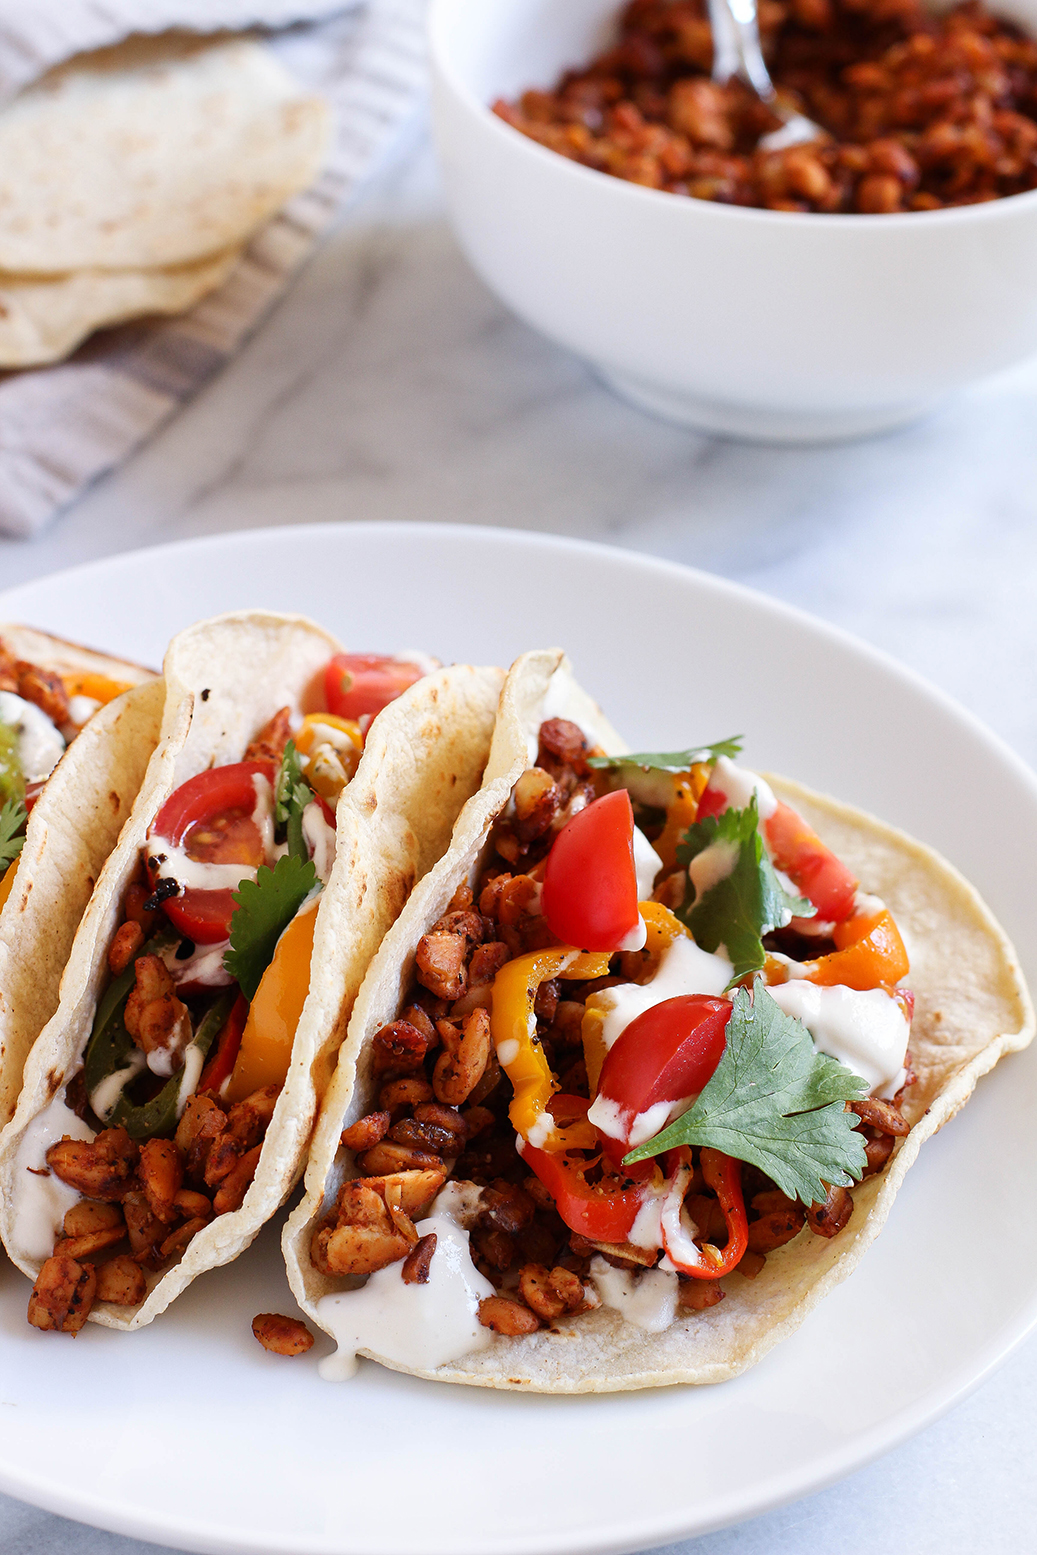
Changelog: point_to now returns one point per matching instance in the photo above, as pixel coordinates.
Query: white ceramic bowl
(761, 324)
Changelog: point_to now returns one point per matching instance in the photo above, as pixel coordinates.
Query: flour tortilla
(72, 829)
(424, 757)
(44, 318)
(159, 151)
(971, 1007)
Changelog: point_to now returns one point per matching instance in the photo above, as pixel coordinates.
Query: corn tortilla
(972, 1007)
(44, 318)
(157, 151)
(423, 759)
(72, 829)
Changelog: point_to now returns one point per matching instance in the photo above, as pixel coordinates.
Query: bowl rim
(1007, 207)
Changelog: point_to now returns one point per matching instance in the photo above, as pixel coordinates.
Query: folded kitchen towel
(63, 426)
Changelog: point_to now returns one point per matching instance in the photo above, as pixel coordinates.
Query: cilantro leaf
(776, 1102)
(12, 831)
(670, 761)
(748, 901)
(292, 794)
(265, 907)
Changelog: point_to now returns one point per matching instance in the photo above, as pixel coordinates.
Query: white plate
(189, 1434)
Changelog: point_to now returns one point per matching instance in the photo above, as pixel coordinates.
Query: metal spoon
(737, 52)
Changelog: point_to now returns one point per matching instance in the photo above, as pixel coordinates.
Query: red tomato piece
(589, 895)
(667, 1053)
(595, 1211)
(813, 868)
(711, 802)
(361, 684)
(210, 817)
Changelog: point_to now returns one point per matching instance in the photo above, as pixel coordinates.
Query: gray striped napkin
(63, 426)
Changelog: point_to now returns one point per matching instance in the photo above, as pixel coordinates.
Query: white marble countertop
(390, 384)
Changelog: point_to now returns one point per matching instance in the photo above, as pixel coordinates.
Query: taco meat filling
(532, 1056)
(209, 970)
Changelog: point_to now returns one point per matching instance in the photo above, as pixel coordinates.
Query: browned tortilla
(72, 829)
(424, 757)
(972, 1006)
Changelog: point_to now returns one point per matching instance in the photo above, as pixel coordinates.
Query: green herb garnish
(292, 794)
(13, 818)
(670, 761)
(776, 1102)
(265, 908)
(748, 902)
(12, 779)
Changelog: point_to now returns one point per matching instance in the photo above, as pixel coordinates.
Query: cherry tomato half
(814, 869)
(667, 1053)
(589, 896)
(359, 684)
(797, 849)
(210, 817)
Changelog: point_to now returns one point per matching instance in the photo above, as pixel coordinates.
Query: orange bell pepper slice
(681, 812)
(266, 1043)
(869, 952)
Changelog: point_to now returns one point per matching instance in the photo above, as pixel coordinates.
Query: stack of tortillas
(131, 179)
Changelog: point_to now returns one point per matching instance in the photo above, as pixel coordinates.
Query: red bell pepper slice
(599, 1213)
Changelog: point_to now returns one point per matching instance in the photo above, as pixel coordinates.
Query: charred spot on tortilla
(114, 801)
(206, 694)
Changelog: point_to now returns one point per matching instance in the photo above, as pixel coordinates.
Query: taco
(60, 814)
(636, 1075)
(295, 796)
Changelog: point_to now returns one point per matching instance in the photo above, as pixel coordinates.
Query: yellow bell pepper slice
(309, 734)
(7, 883)
(513, 1028)
(266, 1043)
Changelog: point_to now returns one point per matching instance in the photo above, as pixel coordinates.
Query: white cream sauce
(647, 1228)
(619, 1123)
(194, 874)
(418, 1326)
(319, 838)
(40, 745)
(82, 709)
(867, 1031)
(738, 785)
(712, 865)
(194, 1060)
(684, 969)
(648, 1299)
(40, 1203)
(103, 1097)
(637, 939)
(647, 865)
(204, 966)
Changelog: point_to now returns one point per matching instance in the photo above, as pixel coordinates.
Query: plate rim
(809, 1479)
